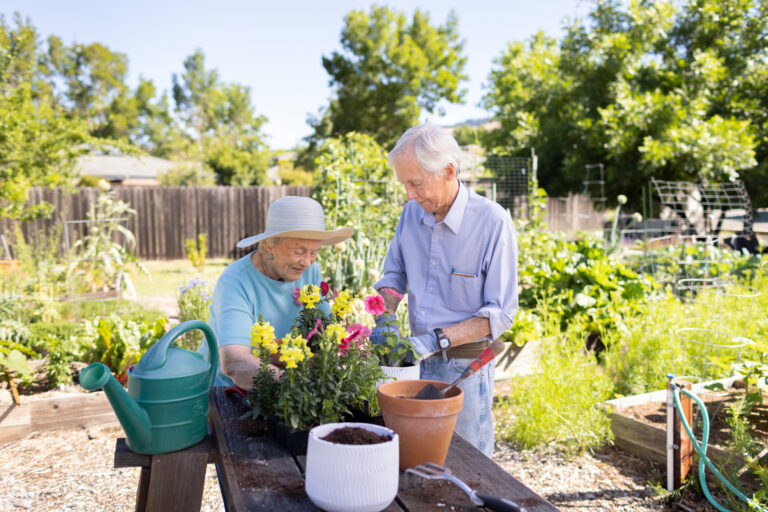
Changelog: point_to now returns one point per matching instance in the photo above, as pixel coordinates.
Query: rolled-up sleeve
(500, 289)
(393, 274)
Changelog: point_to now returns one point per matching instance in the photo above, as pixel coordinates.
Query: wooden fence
(166, 216)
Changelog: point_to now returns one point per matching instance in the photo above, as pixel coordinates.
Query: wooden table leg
(169, 481)
(141, 494)
(176, 481)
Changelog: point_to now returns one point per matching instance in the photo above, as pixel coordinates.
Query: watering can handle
(156, 356)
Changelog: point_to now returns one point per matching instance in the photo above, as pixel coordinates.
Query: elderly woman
(262, 283)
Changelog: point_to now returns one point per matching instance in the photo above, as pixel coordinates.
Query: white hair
(433, 147)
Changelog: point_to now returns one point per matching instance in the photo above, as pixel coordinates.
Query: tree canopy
(59, 101)
(676, 92)
(390, 69)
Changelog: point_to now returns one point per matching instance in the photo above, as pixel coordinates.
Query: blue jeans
(475, 422)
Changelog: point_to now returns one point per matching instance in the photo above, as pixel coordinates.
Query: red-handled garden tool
(430, 392)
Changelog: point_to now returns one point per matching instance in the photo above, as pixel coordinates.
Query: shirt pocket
(466, 291)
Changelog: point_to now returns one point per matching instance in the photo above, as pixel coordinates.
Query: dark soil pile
(718, 406)
(355, 435)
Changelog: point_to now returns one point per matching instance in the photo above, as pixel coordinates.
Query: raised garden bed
(639, 423)
(52, 411)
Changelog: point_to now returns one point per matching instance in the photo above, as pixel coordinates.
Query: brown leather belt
(466, 351)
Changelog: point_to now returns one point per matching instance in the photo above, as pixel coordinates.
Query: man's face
(431, 191)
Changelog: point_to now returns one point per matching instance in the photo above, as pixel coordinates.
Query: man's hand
(424, 345)
(385, 325)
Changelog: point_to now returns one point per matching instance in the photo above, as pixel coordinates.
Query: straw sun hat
(297, 217)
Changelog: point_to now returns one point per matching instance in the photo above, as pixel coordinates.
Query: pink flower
(374, 305)
(296, 295)
(344, 346)
(315, 329)
(324, 288)
(357, 332)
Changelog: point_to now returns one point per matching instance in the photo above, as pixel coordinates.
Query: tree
(39, 146)
(645, 90)
(389, 70)
(40, 141)
(220, 124)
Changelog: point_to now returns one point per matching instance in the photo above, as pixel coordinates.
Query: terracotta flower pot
(351, 478)
(425, 427)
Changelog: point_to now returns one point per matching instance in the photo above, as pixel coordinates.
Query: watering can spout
(132, 417)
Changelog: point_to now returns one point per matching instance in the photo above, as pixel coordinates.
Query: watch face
(444, 343)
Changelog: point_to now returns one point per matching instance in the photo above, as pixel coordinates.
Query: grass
(167, 275)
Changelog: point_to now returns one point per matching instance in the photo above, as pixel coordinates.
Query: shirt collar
(455, 214)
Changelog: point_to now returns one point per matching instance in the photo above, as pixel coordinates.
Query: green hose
(701, 449)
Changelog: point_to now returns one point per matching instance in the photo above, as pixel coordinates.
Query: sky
(276, 47)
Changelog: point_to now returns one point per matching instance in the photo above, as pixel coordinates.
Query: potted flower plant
(328, 370)
(396, 355)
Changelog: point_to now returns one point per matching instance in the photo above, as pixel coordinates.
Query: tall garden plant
(101, 257)
(357, 189)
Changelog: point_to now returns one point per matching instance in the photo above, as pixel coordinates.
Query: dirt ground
(72, 470)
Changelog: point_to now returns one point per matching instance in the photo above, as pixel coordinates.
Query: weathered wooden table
(259, 474)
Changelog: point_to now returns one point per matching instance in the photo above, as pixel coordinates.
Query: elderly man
(455, 254)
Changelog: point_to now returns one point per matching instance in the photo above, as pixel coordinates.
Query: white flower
(103, 185)
(622, 199)
(637, 217)
(365, 242)
(373, 274)
(339, 247)
(585, 301)
(359, 264)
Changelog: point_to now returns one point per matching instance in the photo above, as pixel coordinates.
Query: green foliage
(388, 71)
(557, 406)
(62, 352)
(467, 135)
(99, 261)
(219, 124)
(645, 88)
(196, 250)
(582, 284)
(356, 189)
(186, 174)
(194, 300)
(119, 343)
(296, 177)
(40, 140)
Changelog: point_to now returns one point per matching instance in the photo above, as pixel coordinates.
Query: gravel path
(72, 470)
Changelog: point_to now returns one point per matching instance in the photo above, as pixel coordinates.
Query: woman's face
(292, 256)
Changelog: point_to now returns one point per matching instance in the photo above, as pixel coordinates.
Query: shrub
(196, 251)
(118, 343)
(194, 299)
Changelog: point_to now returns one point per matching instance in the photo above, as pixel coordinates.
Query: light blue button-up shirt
(463, 266)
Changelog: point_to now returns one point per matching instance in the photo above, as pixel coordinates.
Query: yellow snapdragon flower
(341, 305)
(336, 331)
(309, 295)
(263, 335)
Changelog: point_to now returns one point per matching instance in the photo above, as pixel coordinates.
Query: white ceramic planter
(351, 478)
(401, 373)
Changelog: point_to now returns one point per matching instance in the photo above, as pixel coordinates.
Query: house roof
(121, 167)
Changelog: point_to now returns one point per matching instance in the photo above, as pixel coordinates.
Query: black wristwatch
(443, 341)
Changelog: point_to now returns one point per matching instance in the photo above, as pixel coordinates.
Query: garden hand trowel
(430, 392)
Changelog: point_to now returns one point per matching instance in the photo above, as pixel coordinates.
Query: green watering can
(166, 406)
